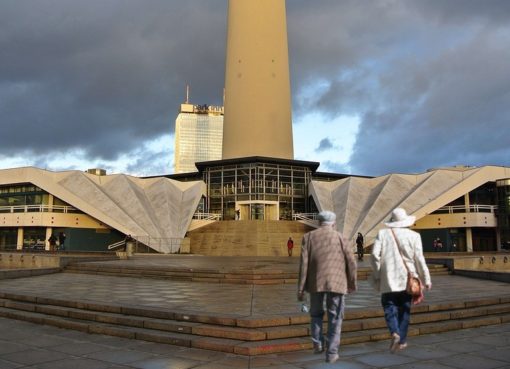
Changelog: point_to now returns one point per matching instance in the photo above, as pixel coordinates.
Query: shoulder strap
(399, 251)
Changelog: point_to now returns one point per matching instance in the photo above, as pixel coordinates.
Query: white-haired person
(393, 247)
(327, 272)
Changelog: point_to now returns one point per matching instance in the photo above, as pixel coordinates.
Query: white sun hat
(400, 219)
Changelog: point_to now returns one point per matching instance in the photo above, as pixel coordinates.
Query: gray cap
(326, 217)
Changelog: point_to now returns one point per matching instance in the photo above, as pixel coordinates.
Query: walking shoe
(402, 346)
(395, 339)
(332, 359)
(318, 348)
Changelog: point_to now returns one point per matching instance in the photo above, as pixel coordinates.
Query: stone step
(228, 277)
(289, 344)
(255, 280)
(246, 336)
(416, 329)
(251, 348)
(366, 315)
(144, 334)
(247, 238)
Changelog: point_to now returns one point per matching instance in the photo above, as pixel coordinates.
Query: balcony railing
(305, 216)
(38, 209)
(164, 245)
(455, 209)
(206, 216)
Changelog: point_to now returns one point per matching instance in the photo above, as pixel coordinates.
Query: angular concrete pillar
(19, 242)
(257, 120)
(49, 232)
(469, 240)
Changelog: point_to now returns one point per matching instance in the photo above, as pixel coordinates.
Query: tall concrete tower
(257, 119)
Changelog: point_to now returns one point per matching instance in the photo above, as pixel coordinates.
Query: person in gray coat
(327, 271)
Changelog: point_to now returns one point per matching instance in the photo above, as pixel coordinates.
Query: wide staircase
(247, 238)
(245, 333)
(286, 273)
(242, 335)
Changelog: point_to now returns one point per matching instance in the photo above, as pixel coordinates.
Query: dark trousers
(359, 250)
(397, 312)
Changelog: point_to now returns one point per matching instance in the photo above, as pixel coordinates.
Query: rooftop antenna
(223, 96)
(187, 94)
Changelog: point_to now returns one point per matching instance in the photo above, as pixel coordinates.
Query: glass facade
(198, 137)
(23, 194)
(261, 186)
(30, 198)
(483, 195)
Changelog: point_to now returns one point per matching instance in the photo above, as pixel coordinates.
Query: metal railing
(141, 243)
(38, 209)
(207, 216)
(164, 245)
(455, 209)
(305, 216)
(116, 245)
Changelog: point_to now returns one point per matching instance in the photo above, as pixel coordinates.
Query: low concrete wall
(495, 263)
(17, 260)
(480, 274)
(24, 273)
(491, 265)
(28, 261)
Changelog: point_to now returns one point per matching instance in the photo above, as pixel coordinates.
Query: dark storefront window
(483, 195)
(503, 194)
(34, 237)
(8, 238)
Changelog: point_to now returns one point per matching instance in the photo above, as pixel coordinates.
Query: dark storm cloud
(104, 76)
(428, 79)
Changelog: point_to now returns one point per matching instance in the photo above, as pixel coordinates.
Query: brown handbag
(414, 286)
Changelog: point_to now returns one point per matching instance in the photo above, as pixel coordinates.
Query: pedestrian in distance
(61, 240)
(439, 244)
(53, 242)
(290, 246)
(393, 247)
(327, 271)
(359, 246)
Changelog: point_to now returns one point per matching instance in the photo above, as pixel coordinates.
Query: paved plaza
(26, 345)
(217, 298)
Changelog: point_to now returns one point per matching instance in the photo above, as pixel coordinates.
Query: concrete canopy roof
(364, 204)
(148, 209)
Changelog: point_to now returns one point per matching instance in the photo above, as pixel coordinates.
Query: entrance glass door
(257, 210)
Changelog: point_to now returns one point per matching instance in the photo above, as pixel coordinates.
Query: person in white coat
(390, 273)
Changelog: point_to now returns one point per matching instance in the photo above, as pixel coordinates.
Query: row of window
(27, 194)
(286, 184)
(25, 188)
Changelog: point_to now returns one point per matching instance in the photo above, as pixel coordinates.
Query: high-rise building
(198, 136)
